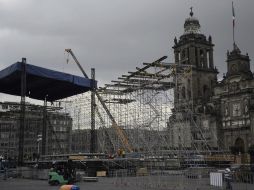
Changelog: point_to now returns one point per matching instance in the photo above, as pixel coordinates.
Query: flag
(233, 12)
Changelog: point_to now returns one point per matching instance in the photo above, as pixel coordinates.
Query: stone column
(176, 56)
(205, 58)
(192, 56)
(211, 58)
(198, 57)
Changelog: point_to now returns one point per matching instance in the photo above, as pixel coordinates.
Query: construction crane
(120, 133)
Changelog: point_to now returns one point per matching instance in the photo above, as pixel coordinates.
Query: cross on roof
(191, 13)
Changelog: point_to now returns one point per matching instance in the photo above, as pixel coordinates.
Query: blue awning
(42, 82)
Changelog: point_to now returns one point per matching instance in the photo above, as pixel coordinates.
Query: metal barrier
(32, 173)
(243, 177)
(216, 179)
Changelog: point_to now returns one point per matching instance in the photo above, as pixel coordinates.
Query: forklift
(62, 173)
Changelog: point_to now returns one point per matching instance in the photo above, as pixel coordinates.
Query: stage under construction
(127, 126)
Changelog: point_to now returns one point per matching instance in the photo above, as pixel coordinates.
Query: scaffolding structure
(141, 103)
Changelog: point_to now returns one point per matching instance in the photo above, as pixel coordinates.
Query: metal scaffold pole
(119, 131)
(22, 112)
(44, 128)
(93, 132)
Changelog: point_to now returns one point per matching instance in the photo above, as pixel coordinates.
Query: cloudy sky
(114, 36)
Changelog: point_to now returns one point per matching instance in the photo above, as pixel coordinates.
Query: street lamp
(39, 139)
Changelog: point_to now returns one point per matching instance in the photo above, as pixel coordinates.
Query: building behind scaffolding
(209, 114)
(190, 126)
(58, 127)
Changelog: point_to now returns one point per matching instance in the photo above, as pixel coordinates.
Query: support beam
(144, 76)
(160, 64)
(22, 113)
(93, 132)
(121, 85)
(44, 149)
(110, 91)
(120, 101)
(147, 66)
(140, 82)
(119, 131)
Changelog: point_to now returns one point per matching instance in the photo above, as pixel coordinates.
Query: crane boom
(76, 60)
(119, 130)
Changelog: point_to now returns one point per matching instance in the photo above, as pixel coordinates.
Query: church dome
(191, 24)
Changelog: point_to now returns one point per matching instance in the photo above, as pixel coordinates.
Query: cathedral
(209, 114)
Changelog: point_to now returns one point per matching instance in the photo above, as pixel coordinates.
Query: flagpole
(233, 13)
(234, 35)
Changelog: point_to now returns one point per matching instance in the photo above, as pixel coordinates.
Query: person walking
(228, 178)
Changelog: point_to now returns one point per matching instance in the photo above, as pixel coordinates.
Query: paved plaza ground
(130, 183)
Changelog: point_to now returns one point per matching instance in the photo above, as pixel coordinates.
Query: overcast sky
(114, 36)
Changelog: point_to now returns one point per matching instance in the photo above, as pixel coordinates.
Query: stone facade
(234, 95)
(195, 78)
(58, 131)
(210, 114)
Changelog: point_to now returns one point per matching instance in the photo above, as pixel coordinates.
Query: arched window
(239, 145)
(189, 83)
(183, 54)
(177, 56)
(189, 89)
(201, 53)
(183, 92)
(205, 91)
(189, 94)
(208, 60)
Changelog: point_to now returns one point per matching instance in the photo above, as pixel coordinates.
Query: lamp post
(39, 139)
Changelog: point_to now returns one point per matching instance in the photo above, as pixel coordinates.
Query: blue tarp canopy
(41, 82)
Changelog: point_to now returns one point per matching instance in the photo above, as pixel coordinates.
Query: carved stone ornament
(233, 86)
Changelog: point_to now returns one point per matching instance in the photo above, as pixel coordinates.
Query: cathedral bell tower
(238, 65)
(195, 78)
(194, 51)
(235, 94)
